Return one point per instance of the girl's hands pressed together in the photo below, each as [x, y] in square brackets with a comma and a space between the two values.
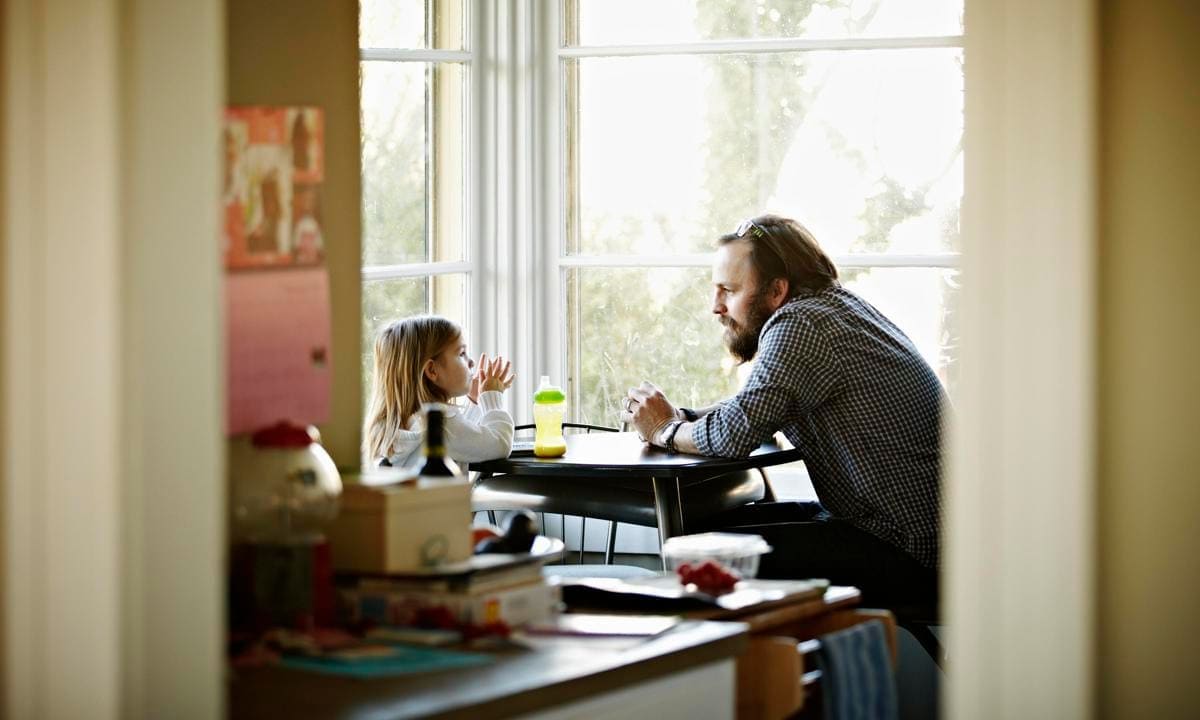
[494, 374]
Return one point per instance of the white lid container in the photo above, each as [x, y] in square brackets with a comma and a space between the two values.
[736, 551]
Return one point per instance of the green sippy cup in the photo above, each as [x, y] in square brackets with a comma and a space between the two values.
[549, 405]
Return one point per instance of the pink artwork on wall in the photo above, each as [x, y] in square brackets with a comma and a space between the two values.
[277, 346]
[271, 189]
[277, 316]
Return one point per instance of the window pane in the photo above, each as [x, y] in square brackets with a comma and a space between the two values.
[399, 139]
[393, 162]
[403, 24]
[391, 23]
[864, 147]
[922, 302]
[630, 325]
[449, 299]
[618, 22]
[387, 300]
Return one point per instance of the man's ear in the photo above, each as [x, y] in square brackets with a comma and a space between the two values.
[779, 292]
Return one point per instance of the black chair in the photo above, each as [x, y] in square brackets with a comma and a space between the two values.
[919, 621]
[614, 500]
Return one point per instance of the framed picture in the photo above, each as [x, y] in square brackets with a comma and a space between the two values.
[274, 167]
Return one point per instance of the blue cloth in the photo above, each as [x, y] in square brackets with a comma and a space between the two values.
[856, 674]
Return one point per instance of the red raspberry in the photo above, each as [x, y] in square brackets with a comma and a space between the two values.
[710, 576]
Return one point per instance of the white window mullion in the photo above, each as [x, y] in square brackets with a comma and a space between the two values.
[508, 299]
[551, 328]
[768, 45]
[411, 270]
[855, 260]
[485, 229]
[884, 260]
[508, 325]
[516, 306]
[527, 258]
[431, 56]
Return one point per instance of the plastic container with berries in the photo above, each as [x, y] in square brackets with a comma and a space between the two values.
[736, 552]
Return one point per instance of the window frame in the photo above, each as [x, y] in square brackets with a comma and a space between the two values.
[556, 183]
[516, 184]
[433, 268]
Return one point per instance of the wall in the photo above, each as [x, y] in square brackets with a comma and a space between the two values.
[3, 351]
[61, 279]
[172, 505]
[305, 52]
[110, 460]
[1019, 490]
[1149, 392]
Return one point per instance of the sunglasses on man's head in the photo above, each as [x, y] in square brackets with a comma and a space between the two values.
[750, 226]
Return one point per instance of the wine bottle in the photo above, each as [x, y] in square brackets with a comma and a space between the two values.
[437, 464]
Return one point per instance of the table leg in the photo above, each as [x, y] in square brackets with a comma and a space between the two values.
[668, 506]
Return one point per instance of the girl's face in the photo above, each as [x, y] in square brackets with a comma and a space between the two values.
[450, 370]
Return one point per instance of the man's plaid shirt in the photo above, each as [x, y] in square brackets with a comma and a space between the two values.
[849, 390]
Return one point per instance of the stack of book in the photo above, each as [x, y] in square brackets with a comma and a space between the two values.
[483, 591]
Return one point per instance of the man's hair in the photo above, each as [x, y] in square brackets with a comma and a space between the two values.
[781, 248]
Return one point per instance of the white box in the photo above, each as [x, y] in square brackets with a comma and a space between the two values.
[401, 527]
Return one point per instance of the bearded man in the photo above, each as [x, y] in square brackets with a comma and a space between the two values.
[848, 389]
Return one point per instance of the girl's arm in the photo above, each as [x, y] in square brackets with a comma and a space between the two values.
[471, 411]
[478, 433]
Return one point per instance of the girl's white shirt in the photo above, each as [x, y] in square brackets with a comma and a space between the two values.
[474, 433]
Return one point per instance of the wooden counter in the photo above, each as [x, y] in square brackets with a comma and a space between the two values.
[520, 682]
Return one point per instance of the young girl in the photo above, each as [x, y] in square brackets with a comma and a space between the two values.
[423, 359]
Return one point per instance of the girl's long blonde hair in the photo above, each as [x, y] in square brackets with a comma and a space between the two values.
[399, 386]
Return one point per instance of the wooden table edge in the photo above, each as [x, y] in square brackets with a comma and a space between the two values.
[642, 663]
[729, 647]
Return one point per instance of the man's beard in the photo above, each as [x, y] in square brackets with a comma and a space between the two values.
[742, 340]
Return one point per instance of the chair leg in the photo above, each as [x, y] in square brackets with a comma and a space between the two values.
[611, 544]
[768, 490]
[923, 634]
[582, 537]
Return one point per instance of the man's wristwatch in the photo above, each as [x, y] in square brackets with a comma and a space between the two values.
[669, 435]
